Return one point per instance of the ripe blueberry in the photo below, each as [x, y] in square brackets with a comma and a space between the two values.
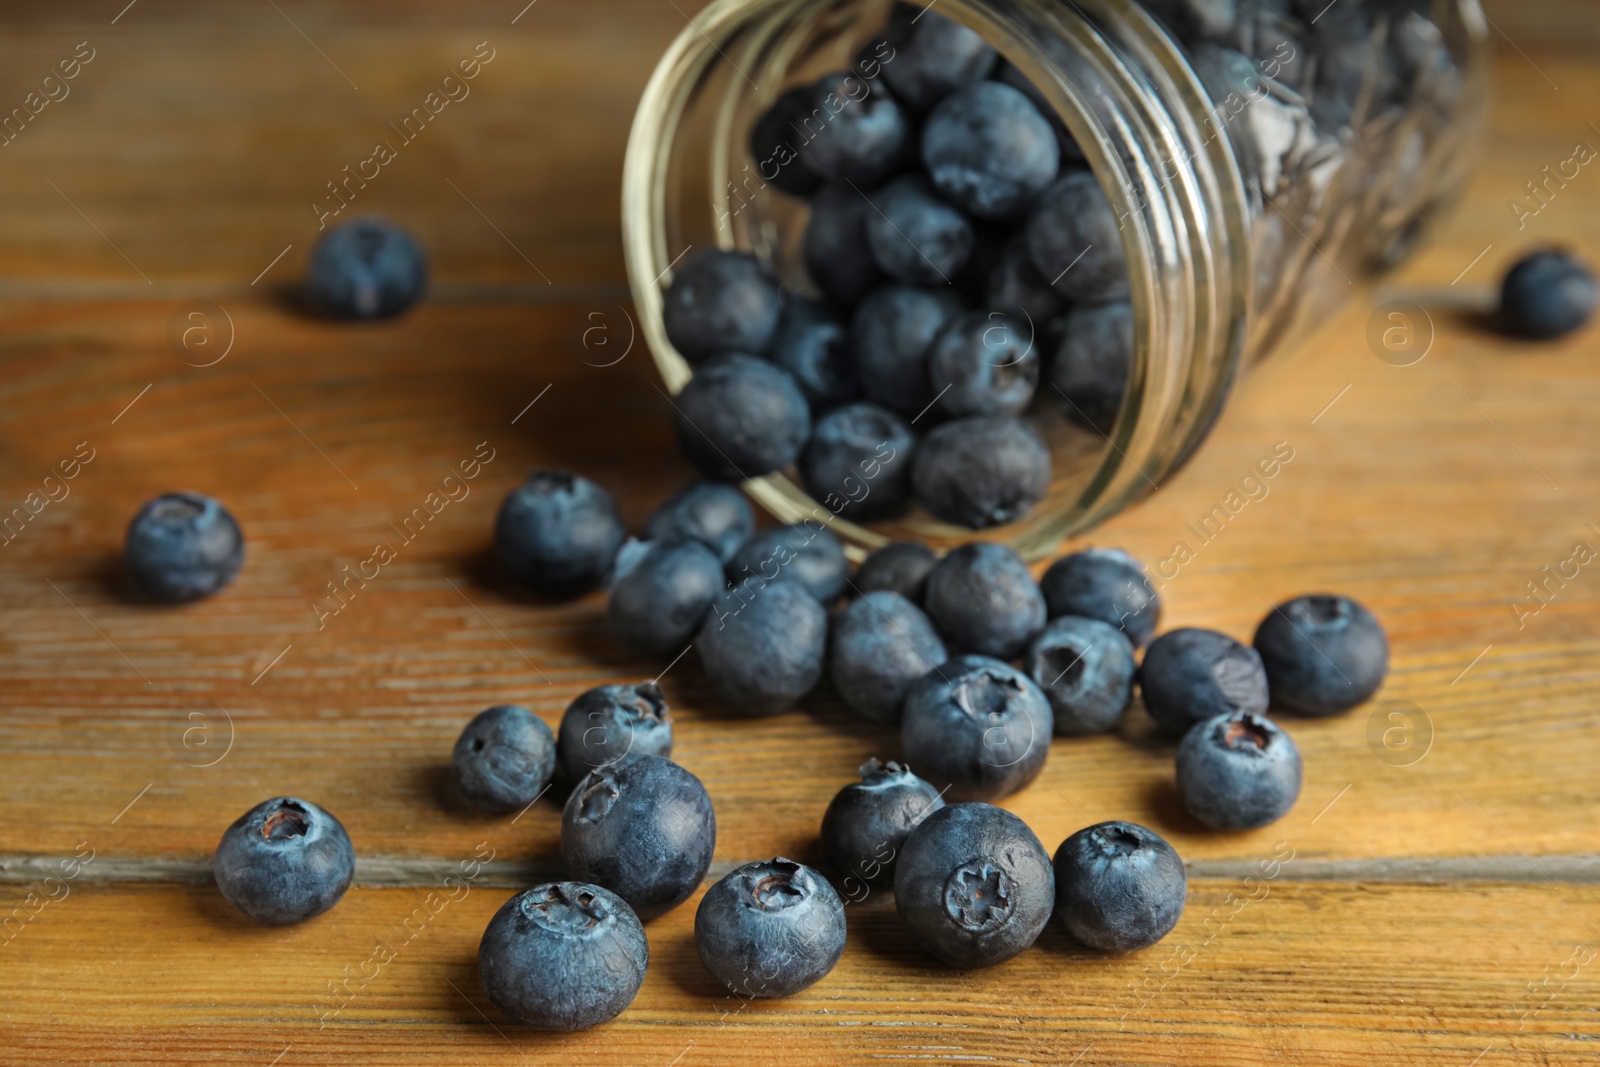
[661, 594]
[1192, 674]
[1323, 654]
[720, 302]
[867, 823]
[1086, 668]
[504, 758]
[899, 567]
[1105, 584]
[366, 269]
[182, 546]
[284, 861]
[983, 599]
[1119, 886]
[558, 533]
[1016, 287]
[859, 462]
[809, 554]
[989, 150]
[812, 346]
[1238, 771]
[914, 235]
[774, 140]
[1090, 371]
[977, 726]
[770, 929]
[981, 471]
[933, 56]
[1074, 239]
[890, 335]
[741, 417]
[762, 645]
[835, 245]
[879, 646]
[984, 363]
[609, 722]
[714, 513]
[1547, 294]
[858, 133]
[1069, 150]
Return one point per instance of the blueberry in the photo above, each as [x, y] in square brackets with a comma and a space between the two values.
[1191, 674]
[609, 722]
[774, 141]
[762, 645]
[1238, 771]
[1547, 294]
[366, 269]
[984, 363]
[1067, 147]
[867, 823]
[661, 594]
[714, 513]
[741, 417]
[856, 134]
[720, 302]
[890, 335]
[983, 599]
[807, 553]
[1090, 371]
[642, 827]
[859, 462]
[182, 546]
[933, 56]
[813, 346]
[974, 885]
[1105, 584]
[1323, 654]
[914, 235]
[284, 861]
[980, 471]
[1016, 287]
[1119, 886]
[835, 245]
[879, 646]
[563, 956]
[1086, 668]
[558, 533]
[504, 758]
[899, 567]
[989, 150]
[770, 929]
[1075, 242]
[977, 726]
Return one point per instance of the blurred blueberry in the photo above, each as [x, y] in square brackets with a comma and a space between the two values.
[1075, 242]
[714, 513]
[807, 553]
[774, 141]
[1547, 294]
[890, 335]
[811, 344]
[558, 534]
[854, 134]
[858, 463]
[989, 150]
[762, 645]
[1090, 371]
[879, 645]
[504, 758]
[1066, 146]
[366, 269]
[984, 363]
[1105, 584]
[741, 417]
[835, 245]
[933, 56]
[720, 302]
[611, 721]
[914, 235]
[661, 594]
[981, 471]
[182, 546]
[983, 599]
[1016, 287]
[899, 567]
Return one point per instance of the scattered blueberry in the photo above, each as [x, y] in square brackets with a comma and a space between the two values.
[984, 363]
[989, 150]
[558, 534]
[1075, 241]
[741, 417]
[858, 463]
[1323, 654]
[899, 567]
[933, 56]
[974, 885]
[890, 334]
[867, 823]
[983, 599]
[977, 726]
[1086, 668]
[807, 553]
[714, 513]
[609, 722]
[774, 140]
[914, 235]
[1119, 886]
[563, 956]
[1547, 294]
[1191, 674]
[835, 245]
[1090, 371]
[504, 758]
[661, 594]
[366, 269]
[720, 302]
[879, 646]
[762, 645]
[1238, 771]
[182, 546]
[1105, 584]
[284, 861]
[813, 346]
[770, 929]
[642, 827]
[861, 134]
[981, 471]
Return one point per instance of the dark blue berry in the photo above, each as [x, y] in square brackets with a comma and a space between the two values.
[714, 513]
[612, 721]
[762, 645]
[284, 861]
[1016, 287]
[1323, 654]
[983, 599]
[1119, 886]
[741, 417]
[1075, 242]
[720, 302]
[807, 553]
[867, 823]
[835, 245]
[1105, 584]
[899, 567]
[1238, 771]
[1547, 294]
[1090, 371]
[558, 534]
[858, 463]
[933, 56]
[1086, 668]
[880, 645]
[890, 335]
[984, 363]
[976, 726]
[981, 471]
[1192, 674]
[642, 827]
[770, 929]
[366, 269]
[563, 956]
[812, 345]
[856, 133]
[775, 141]
[974, 885]
[661, 594]
[1068, 148]
[182, 546]
[504, 758]
[914, 235]
[989, 150]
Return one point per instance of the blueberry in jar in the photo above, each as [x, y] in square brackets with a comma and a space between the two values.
[608, 722]
[1090, 371]
[807, 553]
[858, 134]
[1119, 886]
[1192, 674]
[661, 594]
[867, 823]
[858, 463]
[366, 268]
[720, 302]
[989, 150]
[1322, 654]
[181, 547]
[714, 513]
[770, 929]
[981, 471]
[983, 599]
[558, 534]
[1086, 669]
[774, 140]
[762, 645]
[890, 334]
[879, 646]
[1016, 287]
[933, 56]
[1238, 771]
[504, 758]
[835, 245]
[741, 417]
[813, 346]
[914, 235]
[977, 727]
[898, 567]
[984, 363]
[1075, 241]
[284, 861]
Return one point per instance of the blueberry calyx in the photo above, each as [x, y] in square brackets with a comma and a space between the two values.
[599, 795]
[564, 911]
[1247, 733]
[1117, 839]
[288, 822]
[777, 888]
[984, 695]
[978, 896]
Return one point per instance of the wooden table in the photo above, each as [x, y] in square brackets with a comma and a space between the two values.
[1437, 893]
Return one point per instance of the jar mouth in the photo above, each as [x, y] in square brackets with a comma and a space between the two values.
[1124, 92]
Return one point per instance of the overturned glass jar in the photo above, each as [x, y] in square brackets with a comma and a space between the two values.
[1253, 162]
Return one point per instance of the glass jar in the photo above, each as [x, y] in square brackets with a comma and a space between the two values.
[1261, 167]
